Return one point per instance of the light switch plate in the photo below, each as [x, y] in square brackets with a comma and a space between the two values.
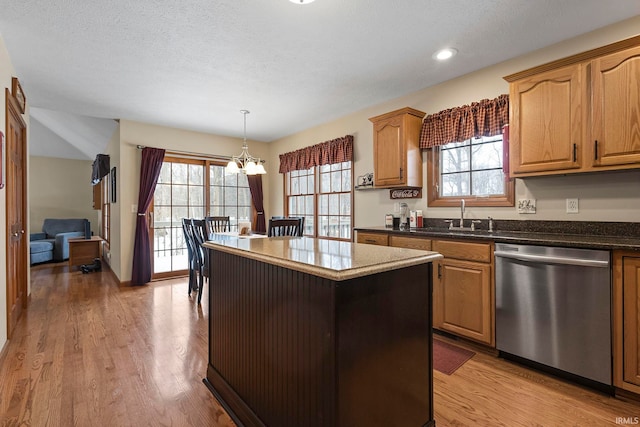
[527, 206]
[572, 206]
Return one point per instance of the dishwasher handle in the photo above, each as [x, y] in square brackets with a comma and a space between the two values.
[547, 259]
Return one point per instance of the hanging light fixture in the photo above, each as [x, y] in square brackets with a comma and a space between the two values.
[245, 162]
[301, 1]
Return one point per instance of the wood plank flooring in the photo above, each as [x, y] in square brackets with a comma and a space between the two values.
[90, 353]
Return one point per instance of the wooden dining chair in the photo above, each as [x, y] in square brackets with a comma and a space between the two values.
[192, 260]
[217, 224]
[199, 231]
[285, 227]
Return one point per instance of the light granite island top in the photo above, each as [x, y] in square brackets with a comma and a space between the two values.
[330, 259]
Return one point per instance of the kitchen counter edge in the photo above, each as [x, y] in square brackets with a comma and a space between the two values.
[528, 238]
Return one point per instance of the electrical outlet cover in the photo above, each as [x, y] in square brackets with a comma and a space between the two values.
[527, 206]
[572, 206]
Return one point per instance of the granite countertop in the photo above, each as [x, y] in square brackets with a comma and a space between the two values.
[331, 259]
[577, 235]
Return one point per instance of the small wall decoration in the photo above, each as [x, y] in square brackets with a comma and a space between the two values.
[365, 181]
[1, 160]
[18, 94]
[112, 175]
[406, 193]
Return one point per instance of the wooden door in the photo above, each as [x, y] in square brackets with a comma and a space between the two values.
[464, 299]
[615, 121]
[547, 122]
[16, 186]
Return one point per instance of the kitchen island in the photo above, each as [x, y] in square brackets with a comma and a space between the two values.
[310, 332]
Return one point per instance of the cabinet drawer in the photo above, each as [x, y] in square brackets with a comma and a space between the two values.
[410, 242]
[373, 238]
[480, 252]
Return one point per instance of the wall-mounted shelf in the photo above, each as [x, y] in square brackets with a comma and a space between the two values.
[366, 187]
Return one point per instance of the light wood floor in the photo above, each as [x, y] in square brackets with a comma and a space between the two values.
[90, 353]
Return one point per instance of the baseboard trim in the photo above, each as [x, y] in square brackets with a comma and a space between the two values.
[4, 352]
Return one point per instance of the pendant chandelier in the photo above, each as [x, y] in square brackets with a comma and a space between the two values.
[245, 162]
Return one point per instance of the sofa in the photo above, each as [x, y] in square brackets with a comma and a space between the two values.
[52, 244]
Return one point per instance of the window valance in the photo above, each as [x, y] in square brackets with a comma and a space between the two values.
[484, 118]
[335, 151]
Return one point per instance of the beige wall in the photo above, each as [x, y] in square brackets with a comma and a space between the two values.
[603, 196]
[60, 188]
[113, 150]
[128, 162]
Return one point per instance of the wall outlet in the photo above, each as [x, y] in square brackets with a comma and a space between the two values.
[572, 206]
[527, 206]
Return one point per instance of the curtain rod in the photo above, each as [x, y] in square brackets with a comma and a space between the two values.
[191, 154]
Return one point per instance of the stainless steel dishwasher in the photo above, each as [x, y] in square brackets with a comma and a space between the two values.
[553, 307]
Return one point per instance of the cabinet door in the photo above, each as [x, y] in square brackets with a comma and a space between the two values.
[389, 152]
[372, 238]
[615, 121]
[410, 242]
[630, 322]
[462, 299]
[547, 122]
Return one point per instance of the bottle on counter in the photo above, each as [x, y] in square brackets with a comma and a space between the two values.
[420, 219]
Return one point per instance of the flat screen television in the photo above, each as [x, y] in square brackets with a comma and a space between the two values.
[100, 168]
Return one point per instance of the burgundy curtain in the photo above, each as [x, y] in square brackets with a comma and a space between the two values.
[484, 118]
[335, 151]
[149, 171]
[255, 186]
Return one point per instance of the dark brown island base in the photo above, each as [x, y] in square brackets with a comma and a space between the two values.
[308, 332]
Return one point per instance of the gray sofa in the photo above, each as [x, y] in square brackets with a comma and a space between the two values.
[53, 243]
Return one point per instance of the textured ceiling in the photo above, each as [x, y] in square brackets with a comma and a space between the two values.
[193, 64]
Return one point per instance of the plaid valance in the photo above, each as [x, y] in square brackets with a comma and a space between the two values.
[484, 118]
[335, 151]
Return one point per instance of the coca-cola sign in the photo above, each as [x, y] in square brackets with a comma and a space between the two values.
[406, 193]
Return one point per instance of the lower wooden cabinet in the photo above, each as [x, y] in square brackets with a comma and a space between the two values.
[463, 290]
[410, 242]
[372, 238]
[626, 322]
[463, 283]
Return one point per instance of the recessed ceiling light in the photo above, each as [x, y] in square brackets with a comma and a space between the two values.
[444, 54]
[301, 1]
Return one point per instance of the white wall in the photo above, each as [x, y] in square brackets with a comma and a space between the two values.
[128, 163]
[603, 196]
[60, 188]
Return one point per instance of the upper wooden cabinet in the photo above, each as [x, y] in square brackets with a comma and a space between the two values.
[397, 158]
[615, 120]
[545, 126]
[578, 114]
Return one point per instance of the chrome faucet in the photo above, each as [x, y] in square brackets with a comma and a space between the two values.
[461, 213]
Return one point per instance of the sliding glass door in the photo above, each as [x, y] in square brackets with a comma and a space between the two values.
[186, 190]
